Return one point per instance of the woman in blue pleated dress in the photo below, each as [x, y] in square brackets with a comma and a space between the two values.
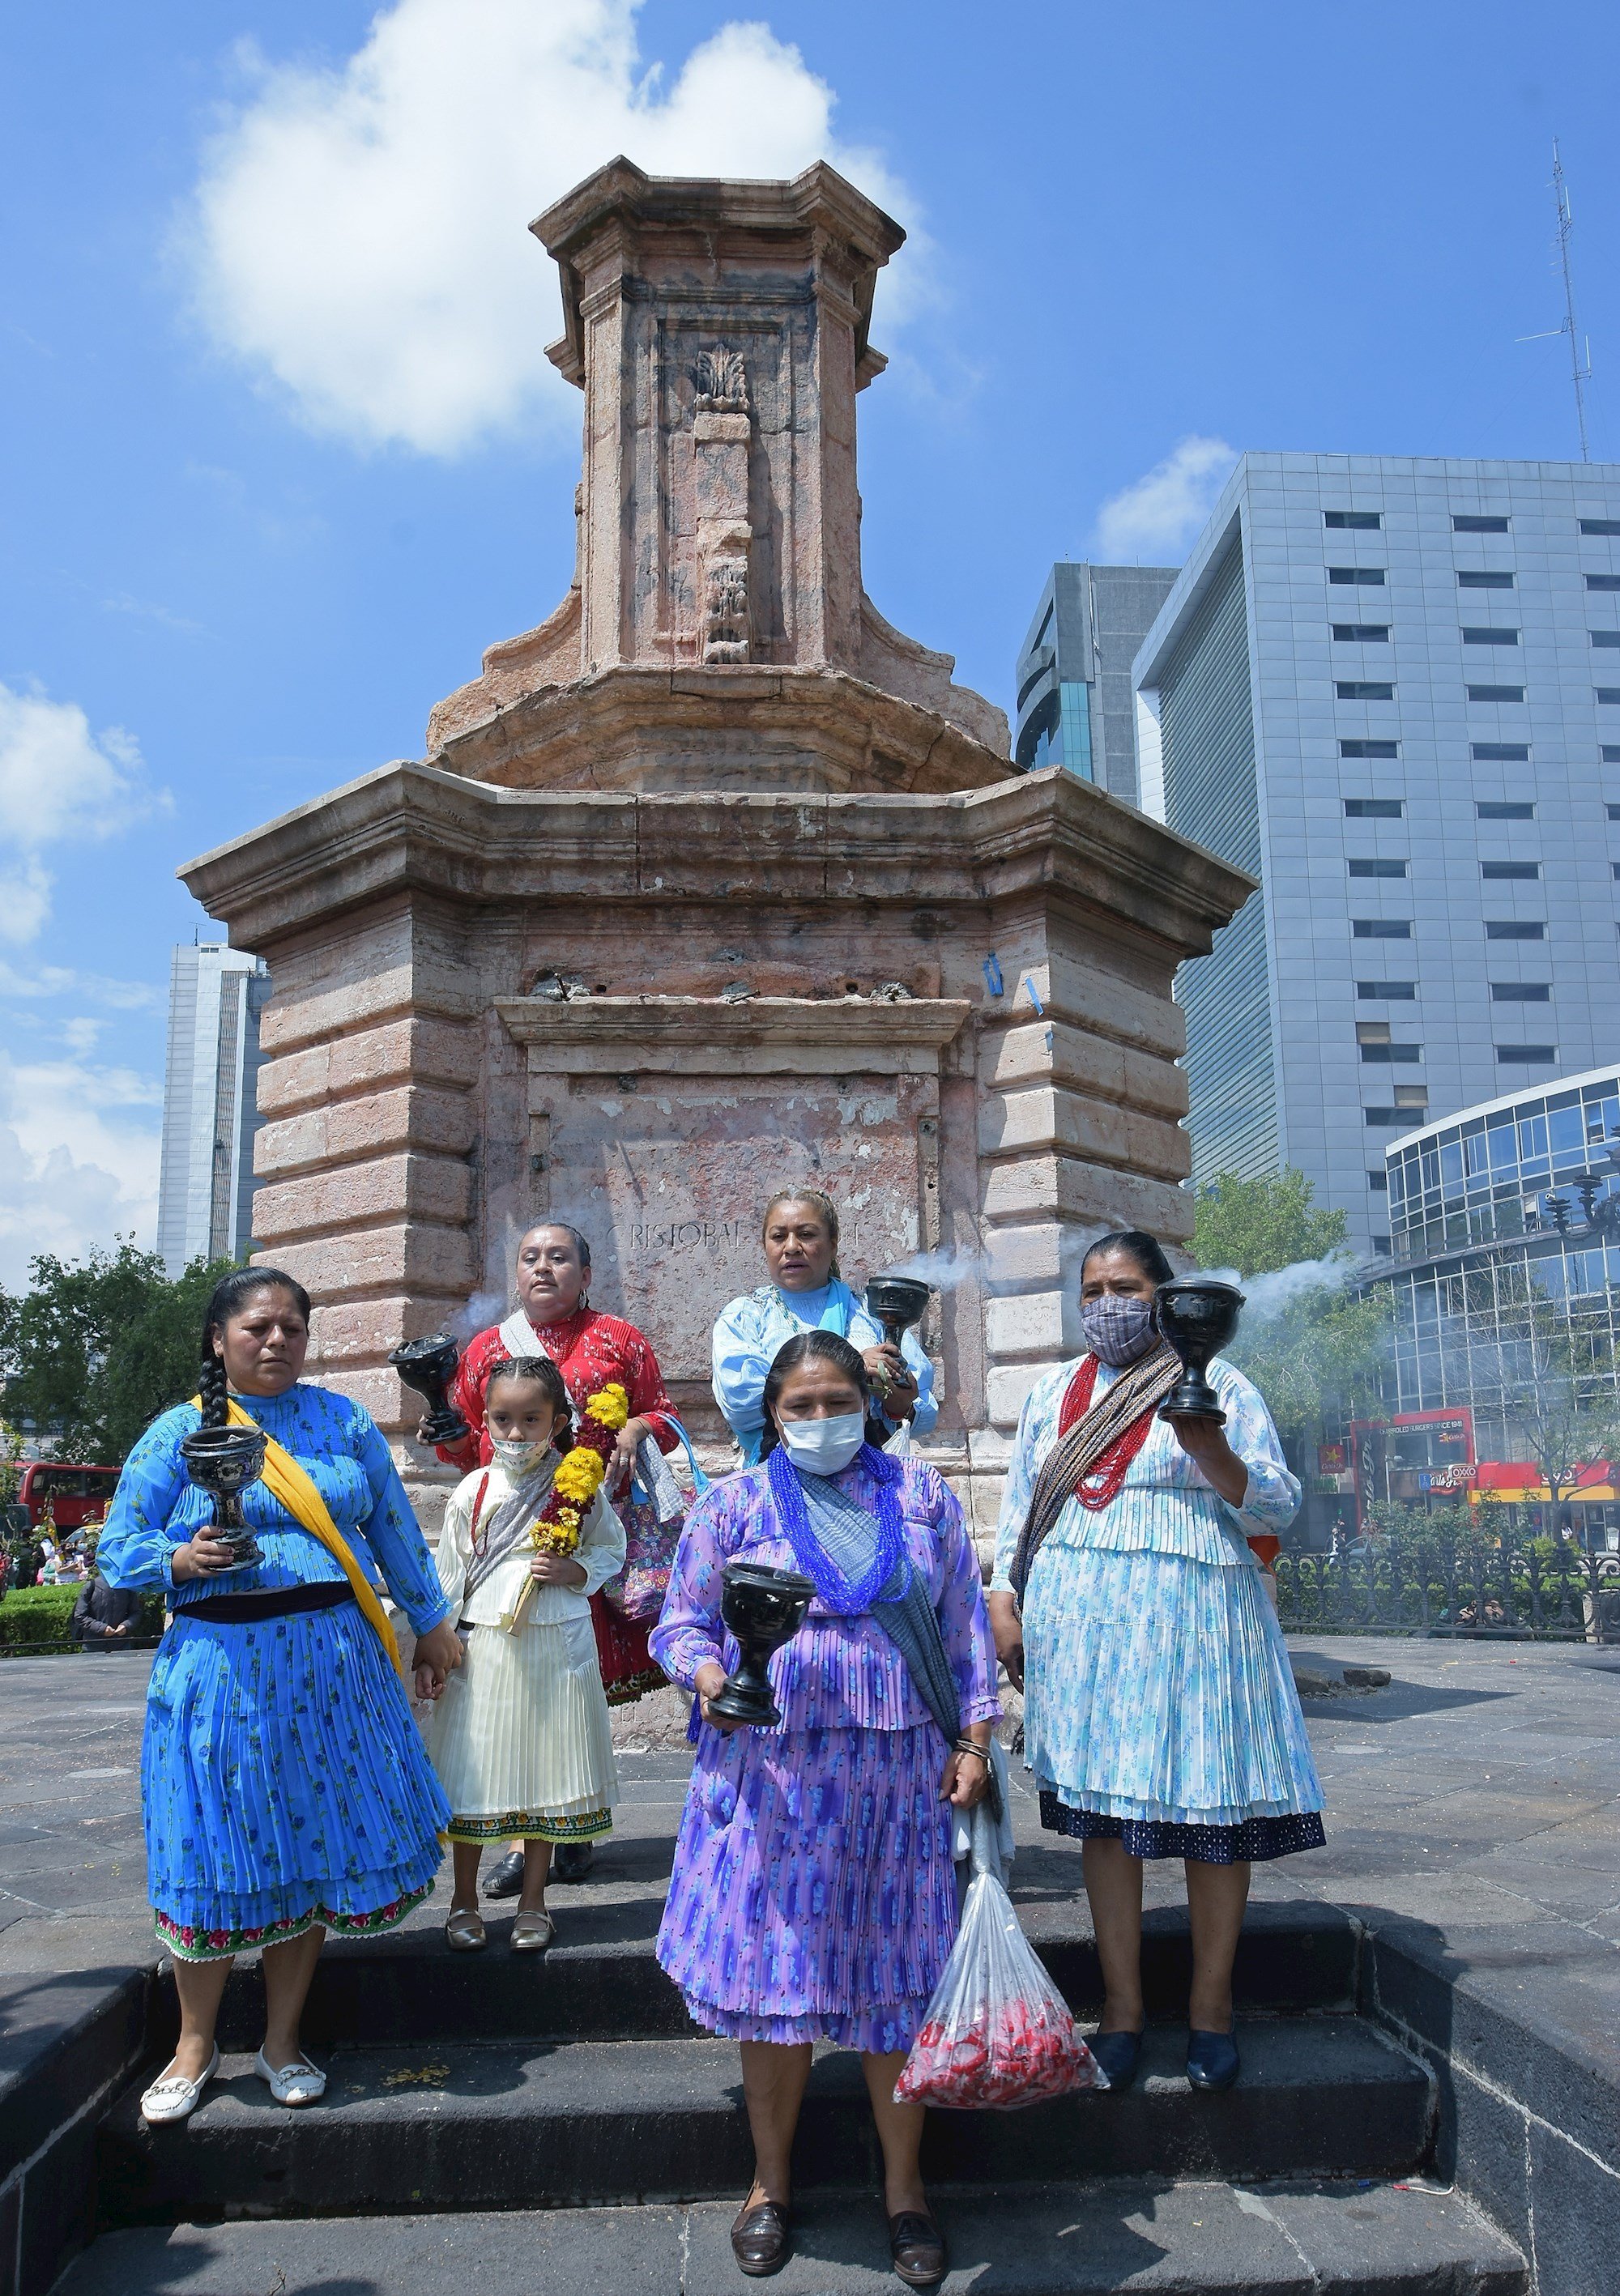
[1161, 1718]
[287, 1790]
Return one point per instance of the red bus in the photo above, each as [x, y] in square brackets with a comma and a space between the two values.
[75, 1493]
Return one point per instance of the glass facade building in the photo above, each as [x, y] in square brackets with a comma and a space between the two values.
[1076, 705]
[1521, 1192]
[210, 1112]
[1379, 685]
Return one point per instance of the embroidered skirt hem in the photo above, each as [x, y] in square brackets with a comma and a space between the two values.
[189, 1941]
[628, 1670]
[284, 1778]
[555, 1826]
[1158, 1690]
[813, 1894]
[522, 1728]
[1255, 1841]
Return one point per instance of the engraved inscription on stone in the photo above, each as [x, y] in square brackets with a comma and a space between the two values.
[670, 1186]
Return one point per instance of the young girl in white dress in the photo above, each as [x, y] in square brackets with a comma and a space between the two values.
[520, 1733]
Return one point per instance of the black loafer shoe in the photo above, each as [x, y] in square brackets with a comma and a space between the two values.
[918, 2247]
[759, 2239]
[572, 1861]
[1211, 2059]
[506, 1879]
[1117, 2054]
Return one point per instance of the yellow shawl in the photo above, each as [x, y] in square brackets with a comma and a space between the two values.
[286, 1481]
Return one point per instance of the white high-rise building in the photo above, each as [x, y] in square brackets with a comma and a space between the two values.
[210, 1115]
[1390, 688]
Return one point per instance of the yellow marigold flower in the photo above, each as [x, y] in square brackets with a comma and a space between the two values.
[579, 1475]
[610, 1407]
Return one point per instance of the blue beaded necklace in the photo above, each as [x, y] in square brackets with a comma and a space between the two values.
[844, 1595]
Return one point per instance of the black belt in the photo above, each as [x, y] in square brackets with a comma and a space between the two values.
[273, 1603]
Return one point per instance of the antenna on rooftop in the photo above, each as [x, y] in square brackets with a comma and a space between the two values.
[1579, 353]
[1580, 369]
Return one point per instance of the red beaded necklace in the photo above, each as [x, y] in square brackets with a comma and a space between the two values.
[1097, 1489]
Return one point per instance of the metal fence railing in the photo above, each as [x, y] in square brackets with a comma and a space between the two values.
[1456, 1574]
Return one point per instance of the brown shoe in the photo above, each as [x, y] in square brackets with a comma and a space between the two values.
[759, 2239]
[918, 2249]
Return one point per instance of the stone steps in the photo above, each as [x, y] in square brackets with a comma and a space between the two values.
[600, 1980]
[455, 2126]
[1176, 2238]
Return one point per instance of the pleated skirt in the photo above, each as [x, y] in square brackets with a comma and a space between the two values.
[284, 1784]
[813, 1896]
[520, 1739]
[1158, 1688]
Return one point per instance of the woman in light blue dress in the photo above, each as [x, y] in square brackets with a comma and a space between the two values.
[806, 1293]
[285, 1787]
[1161, 1718]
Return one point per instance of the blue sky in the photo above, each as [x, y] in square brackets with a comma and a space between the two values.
[280, 455]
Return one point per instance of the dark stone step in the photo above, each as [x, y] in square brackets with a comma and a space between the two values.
[600, 1981]
[1180, 2239]
[544, 2125]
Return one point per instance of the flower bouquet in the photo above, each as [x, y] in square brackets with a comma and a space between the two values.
[578, 1477]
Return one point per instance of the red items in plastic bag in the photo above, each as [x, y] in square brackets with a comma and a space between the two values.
[998, 2032]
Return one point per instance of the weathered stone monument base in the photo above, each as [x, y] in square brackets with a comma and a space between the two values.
[715, 882]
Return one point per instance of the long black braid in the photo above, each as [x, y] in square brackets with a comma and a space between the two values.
[228, 1295]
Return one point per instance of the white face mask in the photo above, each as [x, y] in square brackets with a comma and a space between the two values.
[822, 1447]
[517, 1454]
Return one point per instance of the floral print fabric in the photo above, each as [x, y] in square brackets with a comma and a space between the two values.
[813, 1895]
[283, 1781]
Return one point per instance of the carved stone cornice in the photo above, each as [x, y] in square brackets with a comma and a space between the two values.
[696, 1035]
[756, 726]
[410, 830]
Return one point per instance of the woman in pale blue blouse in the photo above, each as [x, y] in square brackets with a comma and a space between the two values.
[806, 1293]
[1161, 1718]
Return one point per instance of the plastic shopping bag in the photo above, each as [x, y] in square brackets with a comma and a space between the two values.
[998, 2032]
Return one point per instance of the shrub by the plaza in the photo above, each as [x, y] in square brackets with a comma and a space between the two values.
[38, 1619]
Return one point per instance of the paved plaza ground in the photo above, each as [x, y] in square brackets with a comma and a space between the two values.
[1480, 1792]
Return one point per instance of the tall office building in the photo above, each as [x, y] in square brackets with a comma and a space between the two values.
[1390, 688]
[205, 1193]
[1076, 705]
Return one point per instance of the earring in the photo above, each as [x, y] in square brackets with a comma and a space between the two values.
[584, 1303]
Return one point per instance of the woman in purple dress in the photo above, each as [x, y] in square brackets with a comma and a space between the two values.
[813, 1896]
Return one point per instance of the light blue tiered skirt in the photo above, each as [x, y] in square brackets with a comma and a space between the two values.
[284, 1783]
[1158, 1691]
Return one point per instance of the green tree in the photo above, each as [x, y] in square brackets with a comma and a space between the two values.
[1258, 1226]
[1318, 1353]
[96, 1348]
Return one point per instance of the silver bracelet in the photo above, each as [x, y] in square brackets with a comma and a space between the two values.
[967, 1746]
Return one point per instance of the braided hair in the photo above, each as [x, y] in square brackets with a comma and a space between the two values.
[540, 1372]
[227, 1295]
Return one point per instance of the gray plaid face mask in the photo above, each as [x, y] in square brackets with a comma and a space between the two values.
[1118, 1331]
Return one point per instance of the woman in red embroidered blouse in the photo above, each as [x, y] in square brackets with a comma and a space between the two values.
[555, 1318]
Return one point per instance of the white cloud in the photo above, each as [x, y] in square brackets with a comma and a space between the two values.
[1156, 517]
[42, 981]
[78, 1160]
[359, 234]
[58, 782]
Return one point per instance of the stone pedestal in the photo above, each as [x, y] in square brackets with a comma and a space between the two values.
[714, 882]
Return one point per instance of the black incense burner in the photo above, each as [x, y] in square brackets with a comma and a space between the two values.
[1198, 1316]
[896, 1302]
[223, 1461]
[428, 1366]
[764, 1608]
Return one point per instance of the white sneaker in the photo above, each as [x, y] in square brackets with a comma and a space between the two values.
[172, 2098]
[300, 2083]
